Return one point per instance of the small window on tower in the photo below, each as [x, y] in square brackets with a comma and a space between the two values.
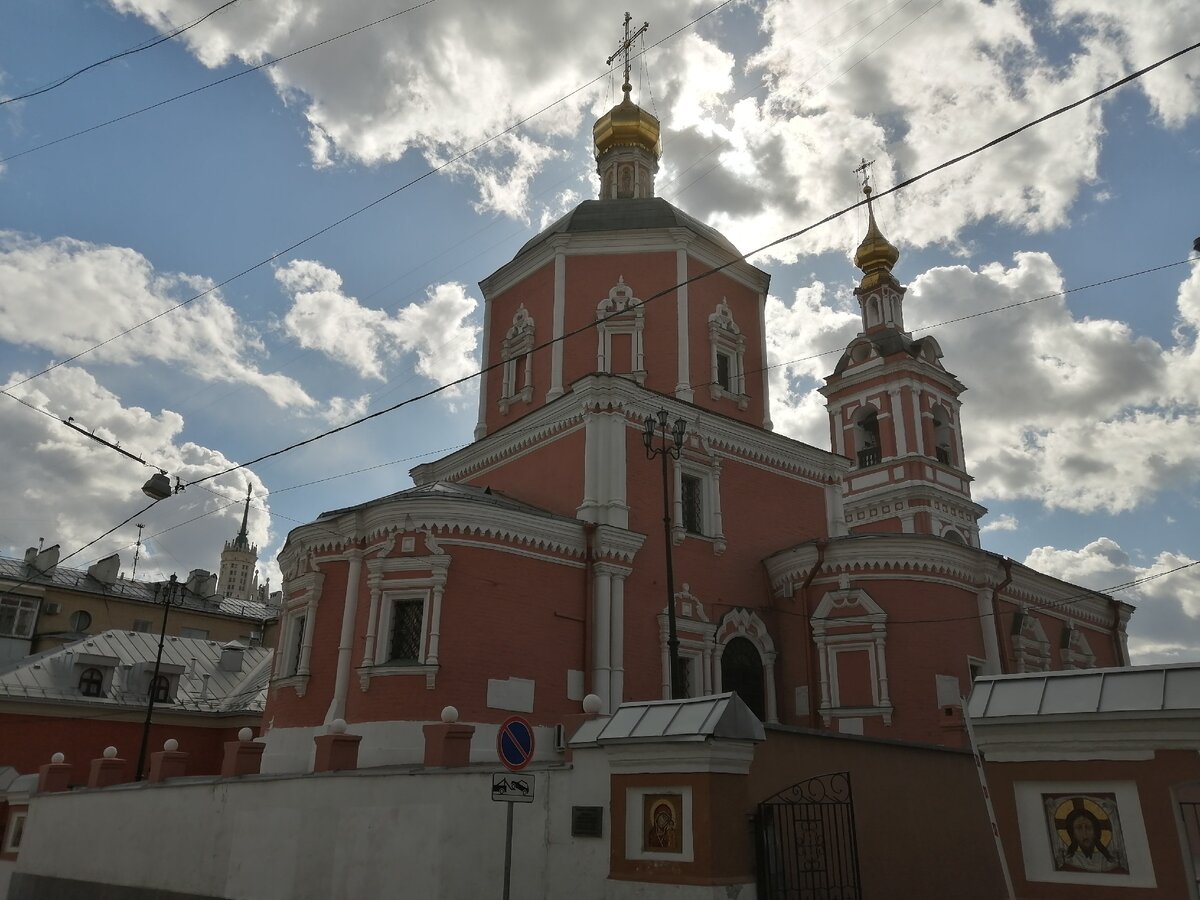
[691, 489]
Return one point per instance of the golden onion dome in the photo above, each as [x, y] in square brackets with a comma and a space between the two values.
[627, 125]
[876, 254]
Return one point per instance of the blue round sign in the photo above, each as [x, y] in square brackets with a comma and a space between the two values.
[514, 743]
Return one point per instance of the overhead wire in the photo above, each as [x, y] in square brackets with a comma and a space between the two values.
[357, 212]
[136, 49]
[713, 270]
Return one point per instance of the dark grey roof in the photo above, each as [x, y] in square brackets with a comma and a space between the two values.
[888, 342]
[628, 215]
[128, 589]
[449, 490]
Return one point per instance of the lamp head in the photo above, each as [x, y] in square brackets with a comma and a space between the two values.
[648, 431]
[678, 430]
[158, 487]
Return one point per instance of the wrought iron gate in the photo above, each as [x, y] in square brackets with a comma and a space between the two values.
[806, 842]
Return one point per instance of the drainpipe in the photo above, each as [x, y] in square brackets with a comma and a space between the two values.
[1007, 564]
[809, 641]
[589, 559]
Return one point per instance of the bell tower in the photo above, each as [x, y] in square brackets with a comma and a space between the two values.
[894, 411]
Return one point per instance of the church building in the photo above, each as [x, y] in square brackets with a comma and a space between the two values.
[624, 375]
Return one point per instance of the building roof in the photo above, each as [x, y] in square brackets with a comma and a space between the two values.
[1162, 690]
[128, 589]
[720, 716]
[449, 490]
[628, 215]
[204, 686]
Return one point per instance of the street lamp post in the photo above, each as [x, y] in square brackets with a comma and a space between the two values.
[671, 446]
[169, 594]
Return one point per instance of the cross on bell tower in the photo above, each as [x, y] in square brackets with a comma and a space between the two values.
[624, 48]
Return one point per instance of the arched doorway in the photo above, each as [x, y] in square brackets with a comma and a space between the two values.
[742, 672]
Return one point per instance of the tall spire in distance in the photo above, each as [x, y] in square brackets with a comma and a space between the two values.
[242, 541]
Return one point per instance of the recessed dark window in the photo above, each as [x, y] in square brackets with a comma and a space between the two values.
[691, 489]
[723, 369]
[406, 630]
[160, 689]
[587, 821]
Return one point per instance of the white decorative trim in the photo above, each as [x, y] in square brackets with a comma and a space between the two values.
[864, 630]
[517, 352]
[725, 339]
[742, 623]
[620, 313]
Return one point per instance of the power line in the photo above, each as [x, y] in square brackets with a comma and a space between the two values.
[138, 49]
[378, 200]
[211, 84]
[701, 275]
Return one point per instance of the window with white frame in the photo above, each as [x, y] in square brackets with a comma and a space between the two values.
[15, 831]
[402, 625]
[619, 347]
[295, 645]
[727, 356]
[698, 501]
[516, 379]
[696, 645]
[850, 633]
[17, 616]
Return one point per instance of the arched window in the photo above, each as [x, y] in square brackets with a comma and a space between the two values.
[160, 689]
[91, 682]
[727, 349]
[953, 536]
[516, 350]
[866, 433]
[943, 442]
[619, 346]
[742, 673]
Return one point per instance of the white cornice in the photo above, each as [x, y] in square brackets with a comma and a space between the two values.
[448, 515]
[915, 369]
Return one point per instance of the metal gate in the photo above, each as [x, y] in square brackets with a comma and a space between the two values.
[805, 842]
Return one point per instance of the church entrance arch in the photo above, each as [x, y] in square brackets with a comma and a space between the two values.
[742, 673]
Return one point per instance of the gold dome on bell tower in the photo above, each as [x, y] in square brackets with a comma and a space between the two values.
[876, 255]
[628, 139]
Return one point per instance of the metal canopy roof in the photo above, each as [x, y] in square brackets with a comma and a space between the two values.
[722, 716]
[1165, 689]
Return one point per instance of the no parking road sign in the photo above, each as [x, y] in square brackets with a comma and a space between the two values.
[514, 743]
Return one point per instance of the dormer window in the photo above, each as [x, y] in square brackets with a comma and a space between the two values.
[727, 347]
[91, 682]
[160, 689]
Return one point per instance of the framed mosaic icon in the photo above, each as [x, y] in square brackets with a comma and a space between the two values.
[662, 818]
[1085, 833]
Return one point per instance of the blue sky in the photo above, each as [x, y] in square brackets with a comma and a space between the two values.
[1081, 414]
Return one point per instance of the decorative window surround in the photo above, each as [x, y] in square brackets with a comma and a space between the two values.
[745, 624]
[697, 644]
[517, 352]
[1076, 651]
[848, 620]
[299, 620]
[727, 357]
[708, 472]
[385, 591]
[1030, 646]
[620, 313]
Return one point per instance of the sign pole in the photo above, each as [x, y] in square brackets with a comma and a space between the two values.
[508, 852]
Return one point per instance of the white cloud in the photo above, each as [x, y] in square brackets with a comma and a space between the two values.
[69, 490]
[436, 330]
[1165, 627]
[1003, 522]
[65, 295]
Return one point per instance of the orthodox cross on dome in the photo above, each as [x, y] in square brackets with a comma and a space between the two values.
[865, 170]
[624, 48]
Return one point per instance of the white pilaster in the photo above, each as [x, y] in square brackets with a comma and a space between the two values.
[898, 420]
[683, 383]
[769, 683]
[617, 642]
[560, 307]
[766, 372]
[987, 623]
[373, 581]
[602, 636]
[485, 359]
[337, 707]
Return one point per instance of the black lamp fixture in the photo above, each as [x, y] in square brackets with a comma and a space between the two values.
[671, 445]
[158, 487]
